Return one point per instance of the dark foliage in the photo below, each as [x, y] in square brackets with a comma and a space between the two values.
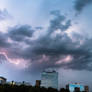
[23, 88]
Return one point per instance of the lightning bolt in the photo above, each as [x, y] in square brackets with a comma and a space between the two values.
[10, 60]
[18, 62]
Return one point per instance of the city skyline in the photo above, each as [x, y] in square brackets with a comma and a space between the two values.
[49, 80]
[40, 34]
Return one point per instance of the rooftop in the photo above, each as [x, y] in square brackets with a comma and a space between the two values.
[2, 78]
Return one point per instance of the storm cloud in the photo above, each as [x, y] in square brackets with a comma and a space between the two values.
[81, 4]
[3, 40]
[19, 33]
[53, 49]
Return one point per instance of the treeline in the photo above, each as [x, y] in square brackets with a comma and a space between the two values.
[23, 88]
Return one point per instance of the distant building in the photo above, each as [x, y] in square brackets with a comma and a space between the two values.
[19, 83]
[77, 87]
[49, 79]
[3, 80]
[86, 89]
[38, 83]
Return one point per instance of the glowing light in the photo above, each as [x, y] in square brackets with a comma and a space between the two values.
[66, 59]
[18, 62]
[9, 40]
[44, 58]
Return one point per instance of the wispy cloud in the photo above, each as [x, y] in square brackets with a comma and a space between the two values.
[4, 14]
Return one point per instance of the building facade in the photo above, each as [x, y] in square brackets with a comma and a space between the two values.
[77, 87]
[86, 89]
[38, 83]
[49, 79]
[3, 80]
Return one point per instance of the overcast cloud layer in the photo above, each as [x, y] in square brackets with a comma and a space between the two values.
[52, 48]
[46, 34]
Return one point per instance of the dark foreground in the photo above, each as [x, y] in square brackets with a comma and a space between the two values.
[23, 88]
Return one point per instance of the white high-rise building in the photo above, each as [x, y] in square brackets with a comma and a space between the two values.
[49, 79]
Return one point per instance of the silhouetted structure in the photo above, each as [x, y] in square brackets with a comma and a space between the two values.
[38, 83]
[25, 88]
[12, 83]
[86, 89]
[64, 90]
[77, 89]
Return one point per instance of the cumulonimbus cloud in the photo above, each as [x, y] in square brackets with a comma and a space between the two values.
[47, 50]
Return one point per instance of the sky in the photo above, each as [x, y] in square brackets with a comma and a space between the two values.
[40, 34]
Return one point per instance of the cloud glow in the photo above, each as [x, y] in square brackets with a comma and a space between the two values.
[65, 59]
[17, 62]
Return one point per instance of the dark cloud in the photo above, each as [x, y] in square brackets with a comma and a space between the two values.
[19, 33]
[53, 49]
[80, 4]
[44, 51]
[3, 40]
[58, 22]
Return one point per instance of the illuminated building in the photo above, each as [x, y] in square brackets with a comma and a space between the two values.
[49, 79]
[77, 87]
[19, 83]
[3, 80]
[12, 83]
